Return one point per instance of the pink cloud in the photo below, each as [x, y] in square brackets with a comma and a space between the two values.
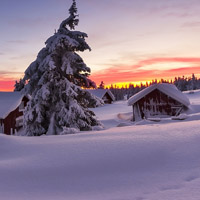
[7, 80]
[134, 73]
[7, 85]
[169, 60]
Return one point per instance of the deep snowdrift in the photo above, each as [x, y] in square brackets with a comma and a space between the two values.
[158, 161]
[141, 162]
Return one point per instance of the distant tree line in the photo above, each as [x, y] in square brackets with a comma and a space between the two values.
[182, 83]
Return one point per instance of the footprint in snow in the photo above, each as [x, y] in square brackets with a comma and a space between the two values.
[191, 177]
[140, 198]
[137, 198]
[170, 187]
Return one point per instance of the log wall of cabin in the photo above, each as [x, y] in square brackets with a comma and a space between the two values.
[158, 103]
[10, 121]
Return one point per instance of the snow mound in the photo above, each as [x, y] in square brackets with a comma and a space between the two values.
[97, 128]
[180, 117]
[67, 130]
[122, 124]
[125, 116]
[151, 162]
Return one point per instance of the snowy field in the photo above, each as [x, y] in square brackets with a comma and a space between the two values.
[147, 161]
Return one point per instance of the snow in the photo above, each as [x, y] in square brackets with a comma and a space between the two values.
[113, 114]
[166, 88]
[125, 161]
[193, 96]
[182, 116]
[9, 101]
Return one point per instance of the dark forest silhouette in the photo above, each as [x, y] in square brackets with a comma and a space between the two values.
[182, 83]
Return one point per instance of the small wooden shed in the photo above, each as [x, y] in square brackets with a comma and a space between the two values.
[104, 94]
[12, 106]
[158, 100]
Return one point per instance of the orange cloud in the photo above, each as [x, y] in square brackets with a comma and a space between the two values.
[137, 72]
[7, 80]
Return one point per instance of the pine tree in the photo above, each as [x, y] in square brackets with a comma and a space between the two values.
[54, 81]
[101, 85]
[19, 85]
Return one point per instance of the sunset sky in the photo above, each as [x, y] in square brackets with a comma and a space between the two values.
[131, 40]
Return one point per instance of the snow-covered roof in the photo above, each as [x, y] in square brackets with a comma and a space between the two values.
[101, 92]
[9, 101]
[168, 89]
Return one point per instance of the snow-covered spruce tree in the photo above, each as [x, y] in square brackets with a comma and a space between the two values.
[54, 80]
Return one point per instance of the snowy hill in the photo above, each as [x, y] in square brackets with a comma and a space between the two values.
[154, 161]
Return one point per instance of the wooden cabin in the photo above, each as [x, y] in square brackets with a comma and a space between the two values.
[104, 94]
[158, 100]
[12, 106]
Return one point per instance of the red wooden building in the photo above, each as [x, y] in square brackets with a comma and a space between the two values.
[12, 105]
[158, 100]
